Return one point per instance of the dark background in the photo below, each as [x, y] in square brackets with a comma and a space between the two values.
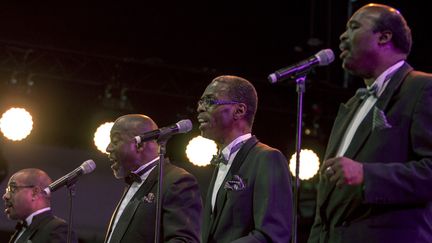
[74, 65]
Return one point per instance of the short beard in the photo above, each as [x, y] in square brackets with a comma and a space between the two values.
[119, 173]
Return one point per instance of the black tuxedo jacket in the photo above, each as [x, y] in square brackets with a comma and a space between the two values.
[261, 210]
[181, 210]
[45, 228]
[394, 143]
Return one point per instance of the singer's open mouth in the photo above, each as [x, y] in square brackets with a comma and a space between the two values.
[344, 48]
[343, 54]
[202, 121]
[8, 206]
[203, 124]
[111, 158]
[114, 165]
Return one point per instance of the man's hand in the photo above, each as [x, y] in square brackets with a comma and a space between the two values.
[343, 171]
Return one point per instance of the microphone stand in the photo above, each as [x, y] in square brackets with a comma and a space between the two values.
[301, 88]
[72, 192]
[162, 150]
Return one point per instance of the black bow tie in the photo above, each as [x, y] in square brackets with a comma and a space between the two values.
[136, 177]
[219, 157]
[20, 225]
[131, 178]
[364, 93]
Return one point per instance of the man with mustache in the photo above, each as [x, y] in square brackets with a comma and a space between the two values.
[26, 201]
[134, 218]
[376, 178]
[249, 198]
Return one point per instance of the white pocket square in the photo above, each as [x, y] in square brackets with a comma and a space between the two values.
[380, 120]
[235, 184]
[149, 198]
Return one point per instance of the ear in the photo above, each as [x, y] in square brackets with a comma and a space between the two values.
[385, 37]
[35, 192]
[240, 111]
[140, 147]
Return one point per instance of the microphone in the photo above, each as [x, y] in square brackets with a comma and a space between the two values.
[182, 126]
[322, 58]
[85, 168]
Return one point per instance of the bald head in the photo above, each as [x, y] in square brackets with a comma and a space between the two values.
[135, 124]
[390, 19]
[24, 194]
[35, 177]
[125, 154]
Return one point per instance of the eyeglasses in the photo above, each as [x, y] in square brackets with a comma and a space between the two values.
[12, 188]
[209, 102]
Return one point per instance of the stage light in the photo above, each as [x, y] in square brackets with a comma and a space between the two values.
[309, 164]
[102, 136]
[16, 124]
[200, 151]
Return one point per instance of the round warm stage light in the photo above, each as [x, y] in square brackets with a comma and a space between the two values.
[200, 151]
[309, 164]
[16, 124]
[102, 136]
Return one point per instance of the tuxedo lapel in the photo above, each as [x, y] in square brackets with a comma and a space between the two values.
[219, 204]
[124, 220]
[221, 196]
[363, 131]
[394, 84]
[241, 155]
[115, 213]
[345, 114]
[343, 119]
[130, 209]
[365, 128]
[14, 236]
[37, 223]
[208, 214]
[148, 184]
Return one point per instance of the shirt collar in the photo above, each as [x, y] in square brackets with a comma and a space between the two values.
[227, 151]
[29, 219]
[142, 167]
[381, 81]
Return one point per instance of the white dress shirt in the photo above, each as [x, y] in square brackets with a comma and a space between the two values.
[131, 192]
[223, 169]
[29, 220]
[381, 83]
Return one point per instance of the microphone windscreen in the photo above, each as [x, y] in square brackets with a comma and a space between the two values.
[88, 166]
[325, 57]
[184, 126]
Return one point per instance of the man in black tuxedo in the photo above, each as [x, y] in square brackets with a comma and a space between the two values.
[249, 198]
[376, 178]
[134, 217]
[26, 201]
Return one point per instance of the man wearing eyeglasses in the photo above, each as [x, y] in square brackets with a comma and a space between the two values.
[249, 197]
[27, 202]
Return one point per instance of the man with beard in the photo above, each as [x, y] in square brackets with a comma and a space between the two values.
[249, 198]
[134, 217]
[376, 178]
[26, 201]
